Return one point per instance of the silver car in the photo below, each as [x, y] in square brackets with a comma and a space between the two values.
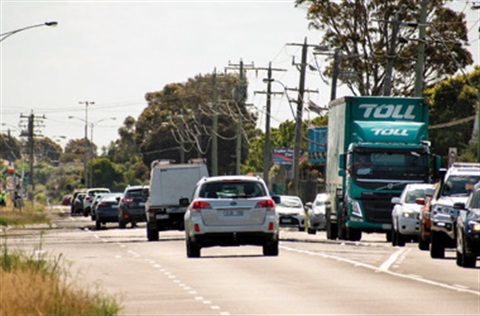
[291, 212]
[406, 213]
[231, 211]
[316, 213]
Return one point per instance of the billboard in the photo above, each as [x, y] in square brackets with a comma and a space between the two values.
[284, 156]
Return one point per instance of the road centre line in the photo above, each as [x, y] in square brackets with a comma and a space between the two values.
[377, 269]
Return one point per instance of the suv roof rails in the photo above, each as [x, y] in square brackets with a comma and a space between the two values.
[466, 165]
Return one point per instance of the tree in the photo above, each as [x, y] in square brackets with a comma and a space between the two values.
[10, 147]
[47, 150]
[179, 119]
[452, 112]
[361, 30]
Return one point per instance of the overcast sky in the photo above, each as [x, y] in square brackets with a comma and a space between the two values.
[114, 52]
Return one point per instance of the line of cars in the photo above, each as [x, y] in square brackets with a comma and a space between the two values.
[103, 206]
[444, 215]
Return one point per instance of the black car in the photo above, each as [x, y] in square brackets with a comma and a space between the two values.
[468, 230]
[132, 205]
[107, 209]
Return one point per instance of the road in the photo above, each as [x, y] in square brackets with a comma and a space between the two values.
[311, 276]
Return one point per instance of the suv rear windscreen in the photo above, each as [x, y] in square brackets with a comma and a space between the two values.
[232, 189]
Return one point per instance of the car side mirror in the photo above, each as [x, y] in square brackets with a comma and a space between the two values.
[184, 202]
[395, 200]
[276, 199]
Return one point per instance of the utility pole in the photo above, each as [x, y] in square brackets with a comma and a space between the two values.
[214, 125]
[85, 144]
[298, 119]
[419, 67]
[333, 92]
[266, 148]
[240, 98]
[387, 83]
[30, 133]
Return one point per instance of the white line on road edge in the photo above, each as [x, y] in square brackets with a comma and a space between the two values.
[377, 269]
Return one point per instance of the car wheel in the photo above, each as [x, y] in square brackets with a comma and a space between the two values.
[312, 231]
[465, 260]
[423, 244]
[122, 224]
[437, 248]
[98, 224]
[152, 234]
[193, 250]
[400, 239]
[394, 237]
[271, 249]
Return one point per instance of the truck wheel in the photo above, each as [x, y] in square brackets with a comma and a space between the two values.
[423, 244]
[332, 231]
[437, 247]
[152, 234]
[270, 248]
[193, 250]
[354, 234]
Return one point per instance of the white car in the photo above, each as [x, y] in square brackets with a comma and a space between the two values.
[231, 211]
[291, 212]
[406, 213]
[316, 213]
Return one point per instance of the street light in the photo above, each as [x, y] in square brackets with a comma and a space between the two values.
[6, 35]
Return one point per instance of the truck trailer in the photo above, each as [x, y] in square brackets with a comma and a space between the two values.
[376, 145]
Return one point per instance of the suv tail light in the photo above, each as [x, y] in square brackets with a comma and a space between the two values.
[269, 204]
[200, 205]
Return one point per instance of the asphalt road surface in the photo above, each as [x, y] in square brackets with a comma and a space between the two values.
[311, 275]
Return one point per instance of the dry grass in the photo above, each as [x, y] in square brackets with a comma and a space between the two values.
[10, 216]
[32, 286]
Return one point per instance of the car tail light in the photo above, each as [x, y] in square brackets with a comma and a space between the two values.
[102, 205]
[196, 227]
[200, 205]
[271, 226]
[266, 204]
[127, 200]
[88, 198]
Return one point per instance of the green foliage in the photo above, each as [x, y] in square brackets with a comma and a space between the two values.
[10, 147]
[107, 174]
[356, 29]
[452, 100]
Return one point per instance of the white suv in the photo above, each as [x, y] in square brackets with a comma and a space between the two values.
[455, 188]
[231, 211]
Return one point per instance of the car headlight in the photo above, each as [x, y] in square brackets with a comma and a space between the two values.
[409, 214]
[474, 226]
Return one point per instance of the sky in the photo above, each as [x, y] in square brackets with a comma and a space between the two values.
[111, 53]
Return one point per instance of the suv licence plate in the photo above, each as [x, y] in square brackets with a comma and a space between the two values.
[233, 213]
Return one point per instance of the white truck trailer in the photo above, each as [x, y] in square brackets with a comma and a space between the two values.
[169, 183]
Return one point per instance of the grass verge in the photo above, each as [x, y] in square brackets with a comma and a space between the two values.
[10, 216]
[35, 286]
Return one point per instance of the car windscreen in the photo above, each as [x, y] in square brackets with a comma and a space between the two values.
[290, 202]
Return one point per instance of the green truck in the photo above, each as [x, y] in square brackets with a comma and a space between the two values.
[376, 145]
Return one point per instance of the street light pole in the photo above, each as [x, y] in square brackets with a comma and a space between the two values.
[85, 171]
[6, 35]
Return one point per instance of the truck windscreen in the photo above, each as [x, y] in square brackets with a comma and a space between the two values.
[389, 165]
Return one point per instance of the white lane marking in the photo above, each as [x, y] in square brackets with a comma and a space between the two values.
[392, 259]
[376, 269]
